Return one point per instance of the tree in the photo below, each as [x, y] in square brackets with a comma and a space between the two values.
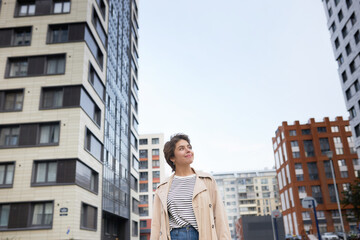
[351, 197]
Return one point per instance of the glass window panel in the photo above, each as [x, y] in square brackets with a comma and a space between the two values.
[38, 213]
[31, 9]
[51, 66]
[41, 172]
[19, 101]
[58, 7]
[9, 101]
[23, 10]
[4, 217]
[44, 134]
[9, 174]
[52, 172]
[66, 7]
[2, 174]
[55, 130]
[48, 213]
[60, 65]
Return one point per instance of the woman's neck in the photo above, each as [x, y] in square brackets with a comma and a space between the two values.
[182, 172]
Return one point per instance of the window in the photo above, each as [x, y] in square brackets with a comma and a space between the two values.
[133, 183]
[344, 31]
[49, 133]
[90, 107]
[305, 131]
[337, 43]
[58, 33]
[96, 82]
[327, 169]
[309, 148]
[357, 37]
[93, 145]
[155, 163]
[42, 214]
[344, 174]
[135, 229]
[336, 2]
[143, 141]
[306, 216]
[330, 12]
[155, 185]
[344, 76]
[98, 27]
[316, 193]
[6, 175]
[143, 224]
[134, 103]
[135, 206]
[334, 129]
[155, 141]
[348, 3]
[18, 67]
[340, 15]
[294, 144]
[156, 174]
[155, 152]
[88, 217]
[144, 199]
[22, 36]
[292, 132]
[26, 9]
[143, 164]
[339, 150]
[36, 65]
[4, 215]
[11, 100]
[135, 123]
[313, 171]
[135, 163]
[321, 129]
[337, 139]
[352, 113]
[144, 176]
[340, 60]
[61, 7]
[324, 145]
[357, 131]
[9, 136]
[353, 19]
[56, 65]
[134, 141]
[143, 153]
[45, 172]
[52, 97]
[144, 187]
[333, 27]
[348, 49]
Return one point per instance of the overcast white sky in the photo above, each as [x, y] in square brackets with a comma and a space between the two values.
[228, 73]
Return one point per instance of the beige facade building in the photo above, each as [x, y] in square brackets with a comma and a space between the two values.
[152, 167]
[253, 193]
[68, 119]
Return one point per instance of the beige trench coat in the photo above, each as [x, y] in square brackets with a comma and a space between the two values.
[208, 208]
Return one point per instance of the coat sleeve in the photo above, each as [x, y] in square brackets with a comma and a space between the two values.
[156, 219]
[220, 217]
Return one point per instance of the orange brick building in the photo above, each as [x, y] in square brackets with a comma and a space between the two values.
[303, 169]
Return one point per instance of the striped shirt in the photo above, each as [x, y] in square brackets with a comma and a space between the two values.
[179, 202]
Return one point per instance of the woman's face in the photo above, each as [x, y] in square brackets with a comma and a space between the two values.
[183, 153]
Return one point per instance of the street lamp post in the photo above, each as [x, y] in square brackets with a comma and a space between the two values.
[329, 154]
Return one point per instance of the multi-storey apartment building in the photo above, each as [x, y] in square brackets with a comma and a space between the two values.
[253, 193]
[68, 119]
[303, 169]
[344, 26]
[152, 166]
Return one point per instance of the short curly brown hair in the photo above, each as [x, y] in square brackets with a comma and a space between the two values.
[169, 147]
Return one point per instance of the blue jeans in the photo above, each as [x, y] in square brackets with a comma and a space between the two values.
[184, 233]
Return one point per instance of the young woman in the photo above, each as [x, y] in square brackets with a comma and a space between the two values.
[187, 206]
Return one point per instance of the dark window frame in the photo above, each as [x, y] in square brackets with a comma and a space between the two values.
[28, 60]
[6, 164]
[84, 217]
[3, 95]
